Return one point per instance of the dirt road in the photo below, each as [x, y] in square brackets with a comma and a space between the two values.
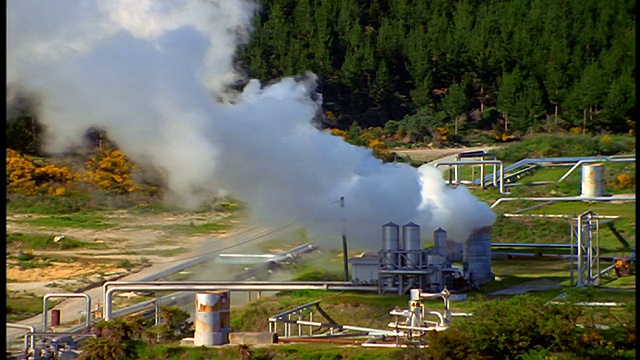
[427, 155]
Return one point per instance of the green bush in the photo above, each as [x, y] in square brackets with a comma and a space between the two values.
[550, 145]
[525, 327]
[125, 264]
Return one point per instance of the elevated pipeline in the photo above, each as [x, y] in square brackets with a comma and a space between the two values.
[230, 286]
[568, 198]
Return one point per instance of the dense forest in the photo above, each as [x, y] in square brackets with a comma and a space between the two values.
[515, 65]
[421, 72]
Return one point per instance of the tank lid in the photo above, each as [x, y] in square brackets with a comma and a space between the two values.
[439, 230]
[411, 224]
[390, 223]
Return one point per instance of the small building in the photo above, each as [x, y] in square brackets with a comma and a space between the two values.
[364, 268]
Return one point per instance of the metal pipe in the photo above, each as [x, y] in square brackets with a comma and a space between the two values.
[440, 317]
[579, 163]
[302, 307]
[564, 216]
[390, 345]
[505, 244]
[29, 340]
[230, 286]
[467, 162]
[569, 198]
[45, 306]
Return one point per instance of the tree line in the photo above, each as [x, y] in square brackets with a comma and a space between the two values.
[517, 65]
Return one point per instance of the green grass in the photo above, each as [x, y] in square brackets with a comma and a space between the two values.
[23, 307]
[42, 241]
[164, 252]
[80, 220]
[281, 352]
[191, 229]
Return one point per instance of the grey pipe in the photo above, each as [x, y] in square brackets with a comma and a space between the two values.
[563, 216]
[64, 295]
[576, 165]
[483, 156]
[569, 198]
[234, 286]
[477, 162]
[28, 344]
[108, 284]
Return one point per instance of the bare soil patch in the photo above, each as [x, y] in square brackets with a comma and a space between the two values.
[430, 154]
[141, 239]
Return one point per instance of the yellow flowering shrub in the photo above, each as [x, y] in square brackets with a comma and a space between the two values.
[110, 170]
[24, 176]
[380, 149]
[20, 172]
[442, 133]
[337, 132]
[624, 181]
[606, 138]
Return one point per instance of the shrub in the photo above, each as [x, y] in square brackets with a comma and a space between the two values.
[624, 181]
[125, 264]
[112, 171]
[175, 324]
[24, 176]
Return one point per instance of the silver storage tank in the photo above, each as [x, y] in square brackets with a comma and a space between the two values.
[592, 180]
[390, 245]
[411, 245]
[439, 240]
[477, 256]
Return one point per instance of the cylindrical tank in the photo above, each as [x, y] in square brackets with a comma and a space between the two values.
[390, 245]
[208, 319]
[411, 245]
[477, 256]
[55, 317]
[439, 240]
[592, 179]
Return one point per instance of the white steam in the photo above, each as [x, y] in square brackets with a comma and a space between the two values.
[154, 75]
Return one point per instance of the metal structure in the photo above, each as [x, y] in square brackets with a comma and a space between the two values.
[45, 306]
[585, 231]
[29, 338]
[476, 257]
[575, 162]
[111, 287]
[401, 268]
[458, 163]
[410, 324]
[212, 318]
[592, 180]
[567, 198]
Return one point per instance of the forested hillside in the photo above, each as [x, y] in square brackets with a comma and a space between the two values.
[514, 65]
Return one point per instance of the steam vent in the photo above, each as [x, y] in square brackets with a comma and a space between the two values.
[403, 263]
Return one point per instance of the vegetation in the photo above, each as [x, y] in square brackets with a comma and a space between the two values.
[508, 66]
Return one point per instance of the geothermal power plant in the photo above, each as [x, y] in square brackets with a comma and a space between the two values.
[402, 263]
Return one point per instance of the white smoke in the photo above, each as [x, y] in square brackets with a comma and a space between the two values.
[155, 74]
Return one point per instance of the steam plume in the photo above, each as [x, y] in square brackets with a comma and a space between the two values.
[155, 75]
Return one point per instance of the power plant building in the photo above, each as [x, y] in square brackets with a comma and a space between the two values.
[403, 264]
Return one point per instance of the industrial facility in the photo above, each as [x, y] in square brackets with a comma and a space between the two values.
[403, 263]
[446, 270]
